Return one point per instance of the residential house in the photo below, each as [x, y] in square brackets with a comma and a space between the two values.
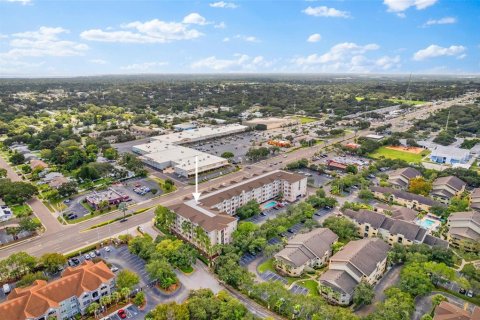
[403, 198]
[57, 182]
[371, 224]
[63, 298]
[448, 311]
[5, 213]
[334, 165]
[37, 164]
[445, 188]
[400, 178]
[475, 199]
[464, 230]
[360, 260]
[311, 249]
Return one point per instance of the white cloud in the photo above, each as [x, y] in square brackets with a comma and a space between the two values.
[98, 61]
[223, 4]
[242, 37]
[144, 67]
[239, 62]
[42, 42]
[445, 20]
[226, 39]
[434, 50]
[220, 25]
[195, 18]
[153, 31]
[323, 11]
[314, 37]
[347, 57]
[23, 2]
[398, 6]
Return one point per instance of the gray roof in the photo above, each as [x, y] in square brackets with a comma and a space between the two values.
[475, 193]
[306, 246]
[407, 196]
[472, 217]
[339, 280]
[435, 242]
[363, 255]
[451, 181]
[409, 230]
[408, 173]
[403, 213]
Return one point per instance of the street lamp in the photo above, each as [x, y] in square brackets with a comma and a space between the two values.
[123, 207]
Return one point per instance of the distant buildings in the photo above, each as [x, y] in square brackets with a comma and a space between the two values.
[163, 152]
[270, 123]
[372, 224]
[108, 197]
[63, 298]
[445, 188]
[400, 178]
[360, 260]
[449, 155]
[311, 249]
[407, 199]
[464, 230]
[214, 211]
[375, 137]
[184, 126]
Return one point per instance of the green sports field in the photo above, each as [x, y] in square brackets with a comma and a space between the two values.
[304, 120]
[396, 154]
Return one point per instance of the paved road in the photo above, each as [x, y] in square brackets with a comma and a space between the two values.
[64, 239]
[388, 280]
[50, 223]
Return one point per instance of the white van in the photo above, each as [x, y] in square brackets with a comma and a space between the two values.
[6, 288]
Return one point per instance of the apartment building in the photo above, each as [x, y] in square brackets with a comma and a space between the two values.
[360, 260]
[218, 227]
[63, 298]
[400, 178]
[475, 199]
[445, 188]
[464, 230]
[311, 249]
[403, 198]
[290, 186]
[215, 210]
[371, 224]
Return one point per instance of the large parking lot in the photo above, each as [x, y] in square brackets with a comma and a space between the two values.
[317, 179]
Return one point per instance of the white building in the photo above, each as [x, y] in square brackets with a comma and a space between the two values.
[5, 213]
[449, 155]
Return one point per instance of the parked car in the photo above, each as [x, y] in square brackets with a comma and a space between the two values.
[263, 214]
[469, 294]
[462, 291]
[92, 255]
[114, 269]
[122, 314]
[6, 288]
[87, 257]
[97, 252]
[107, 249]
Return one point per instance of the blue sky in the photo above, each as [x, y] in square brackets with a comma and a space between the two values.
[70, 38]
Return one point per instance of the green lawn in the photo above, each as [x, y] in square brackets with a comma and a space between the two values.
[311, 285]
[402, 101]
[395, 154]
[187, 270]
[266, 266]
[359, 98]
[304, 120]
[23, 210]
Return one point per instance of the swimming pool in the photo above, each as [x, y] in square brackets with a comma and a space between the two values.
[426, 223]
[269, 205]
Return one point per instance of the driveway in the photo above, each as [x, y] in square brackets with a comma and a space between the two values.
[388, 280]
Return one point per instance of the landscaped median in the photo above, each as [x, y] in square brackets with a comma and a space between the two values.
[118, 219]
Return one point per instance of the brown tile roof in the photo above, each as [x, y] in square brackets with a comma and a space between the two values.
[452, 181]
[448, 311]
[363, 254]
[248, 185]
[408, 173]
[216, 222]
[35, 300]
[306, 246]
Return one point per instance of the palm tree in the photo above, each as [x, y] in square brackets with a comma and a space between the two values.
[125, 292]
[187, 228]
[105, 300]
[116, 296]
[123, 207]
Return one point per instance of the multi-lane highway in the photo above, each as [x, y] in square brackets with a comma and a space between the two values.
[64, 239]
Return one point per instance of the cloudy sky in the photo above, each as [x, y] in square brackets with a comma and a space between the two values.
[91, 37]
